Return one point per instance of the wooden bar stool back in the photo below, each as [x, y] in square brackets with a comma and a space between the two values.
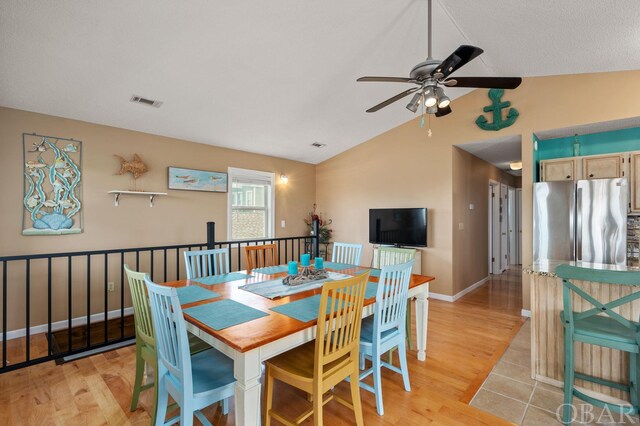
[317, 366]
[601, 326]
[261, 256]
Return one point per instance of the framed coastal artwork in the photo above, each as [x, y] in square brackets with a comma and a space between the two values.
[197, 180]
[52, 202]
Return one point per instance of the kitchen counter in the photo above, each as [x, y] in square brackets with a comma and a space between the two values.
[548, 267]
[547, 332]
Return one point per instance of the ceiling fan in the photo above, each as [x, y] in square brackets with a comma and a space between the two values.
[432, 74]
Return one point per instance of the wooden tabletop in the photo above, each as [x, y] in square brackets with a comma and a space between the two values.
[258, 332]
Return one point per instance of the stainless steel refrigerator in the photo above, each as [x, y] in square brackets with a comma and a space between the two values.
[583, 220]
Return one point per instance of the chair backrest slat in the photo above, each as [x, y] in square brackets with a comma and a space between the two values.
[339, 317]
[394, 256]
[204, 263]
[391, 297]
[172, 342]
[346, 253]
[141, 308]
[261, 256]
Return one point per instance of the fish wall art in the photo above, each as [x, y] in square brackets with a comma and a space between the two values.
[52, 185]
[197, 180]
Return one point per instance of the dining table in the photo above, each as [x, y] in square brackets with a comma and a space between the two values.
[270, 333]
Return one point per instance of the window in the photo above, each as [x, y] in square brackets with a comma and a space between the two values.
[251, 204]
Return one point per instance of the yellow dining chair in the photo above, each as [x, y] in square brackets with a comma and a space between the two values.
[317, 366]
[261, 256]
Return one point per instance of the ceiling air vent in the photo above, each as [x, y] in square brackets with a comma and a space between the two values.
[145, 101]
[319, 145]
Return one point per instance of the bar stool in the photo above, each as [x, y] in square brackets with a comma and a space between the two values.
[600, 326]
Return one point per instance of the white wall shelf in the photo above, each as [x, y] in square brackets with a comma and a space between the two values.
[118, 193]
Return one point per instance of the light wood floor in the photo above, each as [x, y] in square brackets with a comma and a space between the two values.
[466, 339]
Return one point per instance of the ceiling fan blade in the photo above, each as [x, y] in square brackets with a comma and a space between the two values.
[443, 111]
[393, 99]
[485, 82]
[456, 60]
[387, 79]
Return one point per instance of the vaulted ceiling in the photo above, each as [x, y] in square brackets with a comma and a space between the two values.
[274, 76]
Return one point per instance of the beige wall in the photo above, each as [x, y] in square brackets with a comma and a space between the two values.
[471, 177]
[404, 167]
[178, 218]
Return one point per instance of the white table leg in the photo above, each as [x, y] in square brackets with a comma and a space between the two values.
[246, 369]
[422, 317]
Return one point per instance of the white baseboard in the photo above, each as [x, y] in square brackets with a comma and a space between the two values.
[458, 295]
[61, 325]
[525, 313]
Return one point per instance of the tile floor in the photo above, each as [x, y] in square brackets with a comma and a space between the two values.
[510, 393]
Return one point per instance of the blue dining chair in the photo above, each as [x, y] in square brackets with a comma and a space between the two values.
[194, 382]
[204, 263]
[386, 329]
[601, 326]
[346, 253]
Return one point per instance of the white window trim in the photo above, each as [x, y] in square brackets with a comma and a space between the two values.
[271, 177]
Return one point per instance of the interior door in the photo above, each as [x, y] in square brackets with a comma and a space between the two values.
[512, 230]
[494, 228]
[504, 222]
[519, 225]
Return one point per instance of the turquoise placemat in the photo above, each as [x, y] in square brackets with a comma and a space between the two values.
[194, 293]
[371, 291]
[306, 309]
[338, 266]
[271, 269]
[223, 314]
[303, 310]
[275, 288]
[222, 278]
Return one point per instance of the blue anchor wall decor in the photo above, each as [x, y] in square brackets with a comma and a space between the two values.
[496, 108]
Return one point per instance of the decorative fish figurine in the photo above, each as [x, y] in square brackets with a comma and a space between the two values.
[70, 148]
[136, 167]
[183, 177]
[67, 173]
[189, 181]
[67, 204]
[49, 203]
[34, 165]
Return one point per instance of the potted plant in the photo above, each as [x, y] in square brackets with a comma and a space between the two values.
[324, 232]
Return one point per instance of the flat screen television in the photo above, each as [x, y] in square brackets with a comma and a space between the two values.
[400, 227]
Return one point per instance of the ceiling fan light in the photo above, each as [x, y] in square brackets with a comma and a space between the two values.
[515, 165]
[432, 109]
[443, 100]
[430, 100]
[415, 102]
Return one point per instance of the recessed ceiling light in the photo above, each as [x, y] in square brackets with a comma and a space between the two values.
[319, 145]
[145, 101]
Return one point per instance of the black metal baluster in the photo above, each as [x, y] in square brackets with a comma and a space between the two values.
[69, 301]
[88, 301]
[239, 263]
[177, 264]
[138, 260]
[4, 314]
[106, 298]
[49, 337]
[28, 328]
[165, 265]
[122, 295]
[151, 272]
